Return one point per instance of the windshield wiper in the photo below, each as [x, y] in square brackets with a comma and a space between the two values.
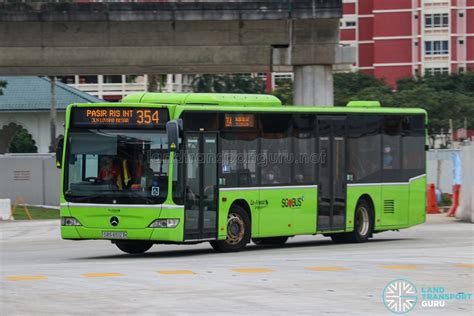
[118, 195]
[85, 197]
[147, 200]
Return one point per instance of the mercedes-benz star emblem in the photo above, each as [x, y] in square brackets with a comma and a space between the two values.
[114, 221]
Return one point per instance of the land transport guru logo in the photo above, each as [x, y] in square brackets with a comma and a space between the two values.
[401, 296]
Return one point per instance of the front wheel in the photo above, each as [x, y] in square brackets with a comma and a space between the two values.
[238, 231]
[133, 247]
[363, 225]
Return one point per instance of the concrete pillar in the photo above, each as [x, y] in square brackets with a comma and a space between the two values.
[313, 85]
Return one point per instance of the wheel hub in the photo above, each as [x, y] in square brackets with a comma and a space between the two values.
[235, 229]
[362, 221]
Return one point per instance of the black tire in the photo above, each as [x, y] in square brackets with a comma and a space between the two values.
[238, 231]
[271, 241]
[133, 247]
[363, 225]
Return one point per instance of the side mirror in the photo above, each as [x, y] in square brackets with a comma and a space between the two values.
[173, 129]
[59, 152]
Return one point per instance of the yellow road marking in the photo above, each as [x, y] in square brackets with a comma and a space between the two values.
[400, 267]
[252, 270]
[327, 268]
[176, 272]
[101, 275]
[26, 277]
[465, 265]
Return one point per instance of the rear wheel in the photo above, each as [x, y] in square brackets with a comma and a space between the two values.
[238, 231]
[274, 241]
[363, 225]
[133, 247]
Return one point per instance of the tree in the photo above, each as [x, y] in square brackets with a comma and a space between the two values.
[3, 84]
[346, 85]
[22, 142]
[284, 91]
[228, 83]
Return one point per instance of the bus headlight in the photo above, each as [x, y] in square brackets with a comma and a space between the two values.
[165, 223]
[70, 221]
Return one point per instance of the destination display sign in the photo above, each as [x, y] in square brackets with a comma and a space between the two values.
[239, 120]
[115, 117]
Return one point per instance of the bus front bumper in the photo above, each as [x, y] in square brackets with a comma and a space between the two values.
[153, 234]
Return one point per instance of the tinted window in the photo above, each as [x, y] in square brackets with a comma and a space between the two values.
[304, 143]
[391, 142]
[413, 141]
[364, 147]
[275, 149]
[239, 158]
[194, 121]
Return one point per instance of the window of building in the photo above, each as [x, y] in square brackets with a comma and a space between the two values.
[436, 71]
[88, 79]
[66, 79]
[131, 78]
[436, 20]
[350, 24]
[113, 79]
[436, 47]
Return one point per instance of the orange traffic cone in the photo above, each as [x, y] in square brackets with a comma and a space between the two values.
[455, 203]
[431, 206]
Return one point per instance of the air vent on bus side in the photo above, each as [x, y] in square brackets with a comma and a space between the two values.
[389, 206]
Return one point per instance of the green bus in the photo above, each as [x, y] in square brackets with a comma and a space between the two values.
[162, 168]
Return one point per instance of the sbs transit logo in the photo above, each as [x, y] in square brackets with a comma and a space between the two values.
[400, 296]
[292, 202]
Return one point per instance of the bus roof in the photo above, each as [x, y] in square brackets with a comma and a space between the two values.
[305, 109]
[254, 102]
[222, 99]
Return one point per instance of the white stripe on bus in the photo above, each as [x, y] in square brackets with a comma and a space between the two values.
[121, 205]
[386, 183]
[269, 188]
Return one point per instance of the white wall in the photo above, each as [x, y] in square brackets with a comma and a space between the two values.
[37, 124]
[33, 176]
[466, 209]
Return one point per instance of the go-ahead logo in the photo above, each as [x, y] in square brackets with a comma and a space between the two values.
[400, 296]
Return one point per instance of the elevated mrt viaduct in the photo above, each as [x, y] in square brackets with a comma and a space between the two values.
[184, 37]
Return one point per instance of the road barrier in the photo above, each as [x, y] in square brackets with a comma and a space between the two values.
[431, 205]
[455, 203]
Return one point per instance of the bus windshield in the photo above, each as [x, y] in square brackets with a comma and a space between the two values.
[116, 166]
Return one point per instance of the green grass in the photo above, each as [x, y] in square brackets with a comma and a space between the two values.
[36, 213]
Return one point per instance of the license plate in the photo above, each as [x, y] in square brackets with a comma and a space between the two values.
[115, 235]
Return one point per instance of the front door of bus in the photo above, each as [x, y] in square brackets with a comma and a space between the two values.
[200, 196]
[332, 184]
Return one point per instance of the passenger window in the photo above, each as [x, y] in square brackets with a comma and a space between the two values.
[413, 142]
[364, 146]
[305, 157]
[239, 159]
[391, 142]
[275, 149]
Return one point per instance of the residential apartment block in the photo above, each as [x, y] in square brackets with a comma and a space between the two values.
[403, 38]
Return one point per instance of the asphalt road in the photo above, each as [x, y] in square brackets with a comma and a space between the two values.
[42, 274]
